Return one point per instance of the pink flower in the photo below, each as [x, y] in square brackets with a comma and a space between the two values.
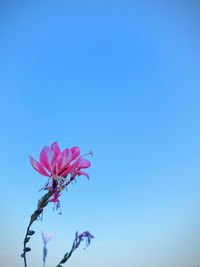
[54, 162]
[58, 165]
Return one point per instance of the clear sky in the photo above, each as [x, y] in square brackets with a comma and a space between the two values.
[121, 79]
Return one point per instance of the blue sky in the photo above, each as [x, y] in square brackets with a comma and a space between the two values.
[121, 79]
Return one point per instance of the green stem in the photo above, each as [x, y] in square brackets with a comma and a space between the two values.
[41, 204]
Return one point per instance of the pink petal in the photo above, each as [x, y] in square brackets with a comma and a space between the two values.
[56, 148]
[63, 160]
[68, 170]
[83, 163]
[75, 169]
[82, 173]
[75, 152]
[48, 159]
[38, 166]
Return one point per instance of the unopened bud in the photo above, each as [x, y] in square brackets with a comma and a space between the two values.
[27, 249]
[27, 239]
[31, 232]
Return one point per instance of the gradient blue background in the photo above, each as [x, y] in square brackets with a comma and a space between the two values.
[119, 78]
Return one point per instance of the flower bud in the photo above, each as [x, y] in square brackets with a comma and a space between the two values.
[31, 232]
[27, 249]
[27, 239]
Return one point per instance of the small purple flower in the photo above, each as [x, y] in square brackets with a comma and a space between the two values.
[79, 238]
[45, 238]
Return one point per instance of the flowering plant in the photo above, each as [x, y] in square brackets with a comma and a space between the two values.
[61, 168]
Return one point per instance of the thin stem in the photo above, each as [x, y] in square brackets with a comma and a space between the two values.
[65, 257]
[41, 204]
[25, 241]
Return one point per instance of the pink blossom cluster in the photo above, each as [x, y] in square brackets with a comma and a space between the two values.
[61, 167]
